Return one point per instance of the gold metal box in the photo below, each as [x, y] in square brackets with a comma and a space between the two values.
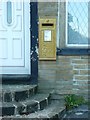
[47, 38]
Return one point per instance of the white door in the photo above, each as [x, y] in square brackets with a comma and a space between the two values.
[14, 37]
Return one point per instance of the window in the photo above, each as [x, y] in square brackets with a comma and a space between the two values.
[77, 23]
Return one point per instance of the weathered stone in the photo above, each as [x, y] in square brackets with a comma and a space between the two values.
[62, 87]
[61, 70]
[19, 108]
[74, 57]
[6, 118]
[43, 104]
[82, 66]
[30, 92]
[20, 92]
[76, 72]
[84, 72]
[64, 91]
[63, 59]
[85, 82]
[32, 107]
[8, 110]
[1, 96]
[64, 77]
[84, 57]
[25, 107]
[81, 77]
[81, 87]
[35, 89]
[21, 95]
[78, 61]
[7, 97]
[47, 9]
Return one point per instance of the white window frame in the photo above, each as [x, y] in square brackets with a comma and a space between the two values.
[72, 45]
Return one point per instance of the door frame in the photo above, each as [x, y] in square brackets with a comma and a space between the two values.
[27, 78]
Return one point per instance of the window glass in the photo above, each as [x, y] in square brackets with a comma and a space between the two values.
[77, 23]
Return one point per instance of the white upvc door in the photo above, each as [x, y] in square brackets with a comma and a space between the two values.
[14, 37]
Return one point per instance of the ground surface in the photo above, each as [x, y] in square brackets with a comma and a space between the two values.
[80, 113]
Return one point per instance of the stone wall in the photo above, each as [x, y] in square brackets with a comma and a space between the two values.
[68, 74]
[47, 9]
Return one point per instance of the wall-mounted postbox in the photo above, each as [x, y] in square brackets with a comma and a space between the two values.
[47, 39]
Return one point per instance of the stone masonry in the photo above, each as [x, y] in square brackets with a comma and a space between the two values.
[68, 74]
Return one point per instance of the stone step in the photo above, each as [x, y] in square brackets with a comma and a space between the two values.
[9, 93]
[55, 110]
[55, 96]
[36, 103]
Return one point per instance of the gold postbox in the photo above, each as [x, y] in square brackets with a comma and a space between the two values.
[47, 38]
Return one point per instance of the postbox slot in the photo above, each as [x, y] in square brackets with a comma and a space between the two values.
[47, 24]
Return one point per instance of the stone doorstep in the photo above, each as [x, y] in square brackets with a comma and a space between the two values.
[38, 102]
[15, 87]
[21, 92]
[52, 111]
[57, 96]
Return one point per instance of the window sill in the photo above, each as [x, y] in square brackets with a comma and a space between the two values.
[73, 51]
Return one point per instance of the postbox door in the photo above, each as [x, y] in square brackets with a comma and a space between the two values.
[47, 39]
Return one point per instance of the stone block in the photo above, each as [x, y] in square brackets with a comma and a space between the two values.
[7, 111]
[84, 57]
[1, 96]
[78, 61]
[64, 67]
[31, 108]
[35, 89]
[47, 8]
[21, 95]
[43, 104]
[84, 72]
[63, 60]
[74, 57]
[76, 72]
[81, 87]
[81, 77]
[82, 66]
[5, 118]
[64, 77]
[30, 92]
[81, 82]
[21, 109]
[7, 97]
[64, 72]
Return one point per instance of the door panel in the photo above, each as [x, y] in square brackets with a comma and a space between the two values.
[14, 37]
